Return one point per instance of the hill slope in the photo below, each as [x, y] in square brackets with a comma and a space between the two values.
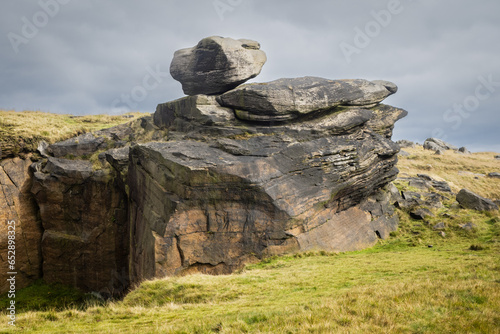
[420, 280]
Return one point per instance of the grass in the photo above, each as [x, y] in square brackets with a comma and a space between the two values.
[20, 132]
[417, 281]
[399, 286]
[446, 167]
[388, 289]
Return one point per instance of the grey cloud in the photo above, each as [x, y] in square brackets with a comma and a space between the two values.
[92, 53]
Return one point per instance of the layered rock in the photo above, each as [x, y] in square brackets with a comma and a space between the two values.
[211, 182]
[224, 190]
[85, 231]
[216, 65]
[18, 206]
[288, 99]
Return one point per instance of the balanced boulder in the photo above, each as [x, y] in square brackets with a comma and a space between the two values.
[287, 99]
[217, 65]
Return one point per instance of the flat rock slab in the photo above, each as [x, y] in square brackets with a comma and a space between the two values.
[217, 65]
[470, 200]
[287, 99]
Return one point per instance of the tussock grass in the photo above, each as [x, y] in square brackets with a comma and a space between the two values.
[417, 281]
[446, 167]
[391, 288]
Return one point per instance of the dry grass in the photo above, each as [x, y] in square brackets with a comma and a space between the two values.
[446, 289]
[447, 167]
[22, 131]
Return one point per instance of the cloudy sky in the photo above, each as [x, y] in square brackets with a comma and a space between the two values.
[89, 57]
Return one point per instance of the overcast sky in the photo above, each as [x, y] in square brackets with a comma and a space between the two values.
[89, 57]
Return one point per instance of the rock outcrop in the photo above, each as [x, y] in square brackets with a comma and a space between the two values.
[216, 65]
[18, 206]
[288, 99]
[84, 218]
[210, 182]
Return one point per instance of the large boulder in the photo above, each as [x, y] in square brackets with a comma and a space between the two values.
[223, 191]
[217, 65]
[216, 181]
[470, 200]
[197, 207]
[288, 99]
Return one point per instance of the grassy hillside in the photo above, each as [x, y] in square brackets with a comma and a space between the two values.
[22, 131]
[418, 281]
[456, 169]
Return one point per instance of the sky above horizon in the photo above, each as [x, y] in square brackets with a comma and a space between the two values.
[103, 57]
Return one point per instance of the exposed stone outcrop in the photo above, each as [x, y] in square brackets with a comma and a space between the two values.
[17, 205]
[217, 65]
[84, 216]
[211, 182]
[288, 99]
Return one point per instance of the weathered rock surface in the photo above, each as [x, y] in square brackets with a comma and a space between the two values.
[435, 144]
[211, 182]
[85, 232]
[405, 143]
[17, 205]
[191, 200]
[470, 200]
[288, 99]
[217, 65]
[464, 150]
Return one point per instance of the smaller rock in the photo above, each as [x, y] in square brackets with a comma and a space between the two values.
[425, 177]
[464, 150]
[447, 215]
[468, 226]
[421, 214]
[441, 186]
[411, 195]
[394, 193]
[118, 157]
[405, 143]
[74, 169]
[439, 226]
[85, 144]
[470, 200]
[439, 152]
[403, 154]
[419, 184]
[433, 200]
[461, 172]
[42, 148]
[494, 175]
[497, 157]
[437, 144]
[441, 233]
